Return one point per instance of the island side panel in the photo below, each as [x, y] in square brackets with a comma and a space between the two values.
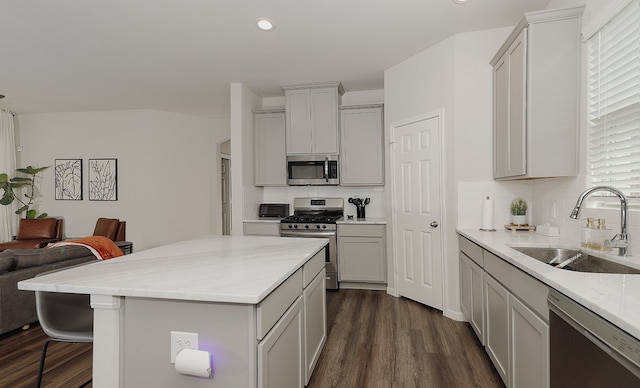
[227, 331]
[107, 340]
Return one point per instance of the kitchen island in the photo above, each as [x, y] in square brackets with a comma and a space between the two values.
[257, 304]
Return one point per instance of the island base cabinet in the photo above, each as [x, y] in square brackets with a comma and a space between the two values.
[223, 330]
[280, 353]
[529, 347]
[315, 318]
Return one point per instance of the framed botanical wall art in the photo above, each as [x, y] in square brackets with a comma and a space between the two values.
[103, 179]
[68, 179]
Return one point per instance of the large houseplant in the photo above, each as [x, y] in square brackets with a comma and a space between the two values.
[28, 182]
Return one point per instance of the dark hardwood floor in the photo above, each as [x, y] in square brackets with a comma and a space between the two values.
[375, 341]
[68, 365]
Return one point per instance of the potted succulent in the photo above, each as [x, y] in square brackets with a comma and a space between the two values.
[9, 186]
[519, 211]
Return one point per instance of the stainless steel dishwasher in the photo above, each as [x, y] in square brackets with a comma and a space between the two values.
[587, 350]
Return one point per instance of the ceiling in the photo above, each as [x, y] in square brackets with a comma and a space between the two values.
[181, 55]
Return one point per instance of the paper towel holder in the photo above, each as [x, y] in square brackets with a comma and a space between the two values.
[487, 215]
[192, 362]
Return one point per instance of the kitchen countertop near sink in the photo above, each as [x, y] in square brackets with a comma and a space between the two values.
[361, 221]
[615, 297]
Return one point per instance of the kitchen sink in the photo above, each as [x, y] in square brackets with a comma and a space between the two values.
[575, 260]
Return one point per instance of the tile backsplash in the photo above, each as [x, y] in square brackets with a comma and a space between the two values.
[550, 201]
[472, 194]
[376, 207]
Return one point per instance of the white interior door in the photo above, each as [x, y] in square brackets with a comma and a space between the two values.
[416, 161]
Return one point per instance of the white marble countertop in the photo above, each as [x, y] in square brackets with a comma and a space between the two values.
[265, 220]
[231, 269]
[367, 220]
[615, 297]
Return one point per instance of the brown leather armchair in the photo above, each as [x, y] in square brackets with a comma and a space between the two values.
[35, 233]
[111, 228]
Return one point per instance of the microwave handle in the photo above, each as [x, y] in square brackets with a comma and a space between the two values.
[326, 168]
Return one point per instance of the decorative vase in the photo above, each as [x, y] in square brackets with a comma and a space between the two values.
[518, 220]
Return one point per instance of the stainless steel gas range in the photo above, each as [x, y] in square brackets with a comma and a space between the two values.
[316, 218]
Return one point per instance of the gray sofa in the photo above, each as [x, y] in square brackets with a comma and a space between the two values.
[17, 307]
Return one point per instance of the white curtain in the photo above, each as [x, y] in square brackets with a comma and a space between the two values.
[8, 218]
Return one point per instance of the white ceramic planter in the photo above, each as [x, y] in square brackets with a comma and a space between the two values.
[518, 220]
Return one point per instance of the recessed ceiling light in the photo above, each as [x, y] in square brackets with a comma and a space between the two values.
[461, 1]
[265, 24]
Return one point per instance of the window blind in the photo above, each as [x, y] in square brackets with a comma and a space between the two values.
[614, 102]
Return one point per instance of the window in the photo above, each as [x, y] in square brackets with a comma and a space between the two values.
[614, 101]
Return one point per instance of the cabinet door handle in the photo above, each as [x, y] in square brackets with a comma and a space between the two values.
[433, 224]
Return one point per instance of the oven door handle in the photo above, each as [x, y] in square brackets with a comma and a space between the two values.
[307, 234]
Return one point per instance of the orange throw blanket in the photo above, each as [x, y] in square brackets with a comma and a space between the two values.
[102, 247]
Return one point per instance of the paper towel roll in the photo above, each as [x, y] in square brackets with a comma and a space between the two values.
[194, 363]
[487, 214]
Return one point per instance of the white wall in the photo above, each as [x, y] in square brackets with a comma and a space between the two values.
[165, 169]
[422, 84]
[245, 196]
[454, 75]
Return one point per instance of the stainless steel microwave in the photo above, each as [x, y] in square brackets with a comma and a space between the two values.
[312, 170]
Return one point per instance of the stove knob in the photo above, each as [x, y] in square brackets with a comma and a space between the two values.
[290, 226]
[319, 226]
[295, 226]
[306, 226]
[324, 226]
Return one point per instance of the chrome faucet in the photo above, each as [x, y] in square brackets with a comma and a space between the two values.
[621, 240]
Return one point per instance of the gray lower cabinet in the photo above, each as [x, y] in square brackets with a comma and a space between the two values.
[269, 148]
[361, 253]
[472, 294]
[261, 228]
[514, 314]
[497, 334]
[361, 145]
[529, 350]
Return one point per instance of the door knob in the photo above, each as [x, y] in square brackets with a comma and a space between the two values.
[433, 224]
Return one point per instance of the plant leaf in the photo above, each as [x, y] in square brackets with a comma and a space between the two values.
[30, 170]
[22, 209]
[7, 197]
[43, 215]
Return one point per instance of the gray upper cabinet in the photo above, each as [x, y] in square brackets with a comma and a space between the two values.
[269, 145]
[361, 146]
[536, 78]
[312, 118]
